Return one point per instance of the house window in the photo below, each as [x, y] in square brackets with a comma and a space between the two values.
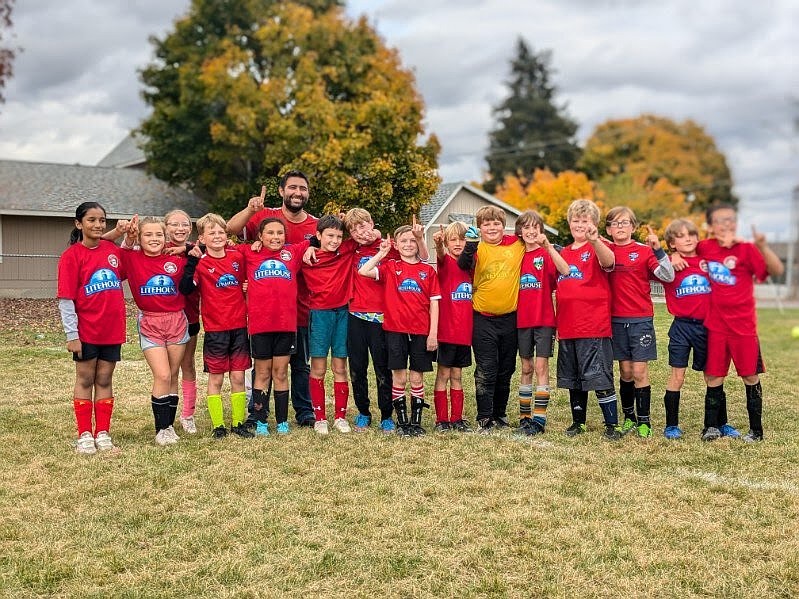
[464, 218]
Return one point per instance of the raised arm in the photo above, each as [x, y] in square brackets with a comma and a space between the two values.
[774, 265]
[560, 264]
[603, 253]
[664, 270]
[369, 269]
[418, 233]
[239, 220]
[468, 257]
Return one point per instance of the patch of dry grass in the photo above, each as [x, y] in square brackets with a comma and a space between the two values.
[364, 514]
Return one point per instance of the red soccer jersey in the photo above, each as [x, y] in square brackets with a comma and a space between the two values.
[219, 281]
[295, 233]
[688, 295]
[329, 279]
[455, 313]
[583, 296]
[732, 272]
[630, 293]
[92, 279]
[536, 285]
[367, 293]
[272, 288]
[153, 280]
[192, 307]
[409, 289]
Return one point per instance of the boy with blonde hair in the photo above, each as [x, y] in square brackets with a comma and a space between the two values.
[219, 275]
[496, 262]
[585, 349]
[536, 319]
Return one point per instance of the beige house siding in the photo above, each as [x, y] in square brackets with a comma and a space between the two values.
[30, 248]
[464, 202]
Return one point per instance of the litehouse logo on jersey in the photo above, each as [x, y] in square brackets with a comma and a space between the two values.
[528, 281]
[170, 268]
[285, 255]
[409, 286]
[113, 261]
[361, 262]
[102, 280]
[462, 293]
[538, 262]
[227, 280]
[720, 274]
[159, 285]
[693, 285]
[633, 256]
[585, 256]
[272, 269]
[574, 273]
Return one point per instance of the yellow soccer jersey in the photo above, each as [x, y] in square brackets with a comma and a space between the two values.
[496, 276]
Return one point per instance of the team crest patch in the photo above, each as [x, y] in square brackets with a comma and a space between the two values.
[585, 256]
[703, 265]
[730, 262]
[285, 255]
[538, 263]
[113, 261]
[423, 275]
[235, 266]
[645, 340]
[170, 268]
[633, 256]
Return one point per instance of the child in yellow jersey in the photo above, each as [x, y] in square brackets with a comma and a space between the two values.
[496, 262]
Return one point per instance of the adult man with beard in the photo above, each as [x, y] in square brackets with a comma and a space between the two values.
[294, 191]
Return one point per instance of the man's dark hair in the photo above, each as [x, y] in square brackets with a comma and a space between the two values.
[293, 173]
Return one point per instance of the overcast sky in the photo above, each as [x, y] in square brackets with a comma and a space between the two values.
[730, 65]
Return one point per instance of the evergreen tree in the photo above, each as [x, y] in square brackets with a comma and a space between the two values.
[532, 131]
[243, 90]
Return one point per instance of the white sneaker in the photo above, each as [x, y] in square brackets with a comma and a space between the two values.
[341, 425]
[320, 426]
[188, 425]
[103, 441]
[86, 444]
[162, 438]
[170, 431]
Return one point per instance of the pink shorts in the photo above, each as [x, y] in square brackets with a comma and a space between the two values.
[742, 350]
[159, 329]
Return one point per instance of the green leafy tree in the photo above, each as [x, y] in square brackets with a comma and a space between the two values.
[243, 90]
[532, 131]
[654, 157]
[7, 54]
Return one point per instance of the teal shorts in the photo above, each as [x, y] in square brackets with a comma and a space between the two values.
[328, 332]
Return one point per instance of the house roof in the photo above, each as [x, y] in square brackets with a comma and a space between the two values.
[127, 153]
[447, 191]
[45, 189]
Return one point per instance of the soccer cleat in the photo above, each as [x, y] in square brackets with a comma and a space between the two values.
[711, 433]
[163, 439]
[644, 430]
[251, 423]
[416, 430]
[261, 429]
[341, 425]
[242, 431]
[613, 432]
[387, 426]
[404, 430]
[320, 426]
[220, 432]
[501, 422]
[170, 431]
[727, 430]
[575, 429]
[672, 432]
[282, 428]
[485, 426]
[462, 426]
[524, 425]
[628, 426]
[362, 422]
[752, 436]
[534, 428]
[103, 441]
[188, 425]
[442, 427]
[86, 444]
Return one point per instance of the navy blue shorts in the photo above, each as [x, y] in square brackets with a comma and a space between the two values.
[634, 341]
[452, 355]
[90, 351]
[686, 334]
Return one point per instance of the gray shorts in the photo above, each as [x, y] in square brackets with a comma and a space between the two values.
[585, 364]
[536, 341]
[634, 341]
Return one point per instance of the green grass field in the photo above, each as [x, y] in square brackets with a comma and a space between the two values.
[369, 515]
